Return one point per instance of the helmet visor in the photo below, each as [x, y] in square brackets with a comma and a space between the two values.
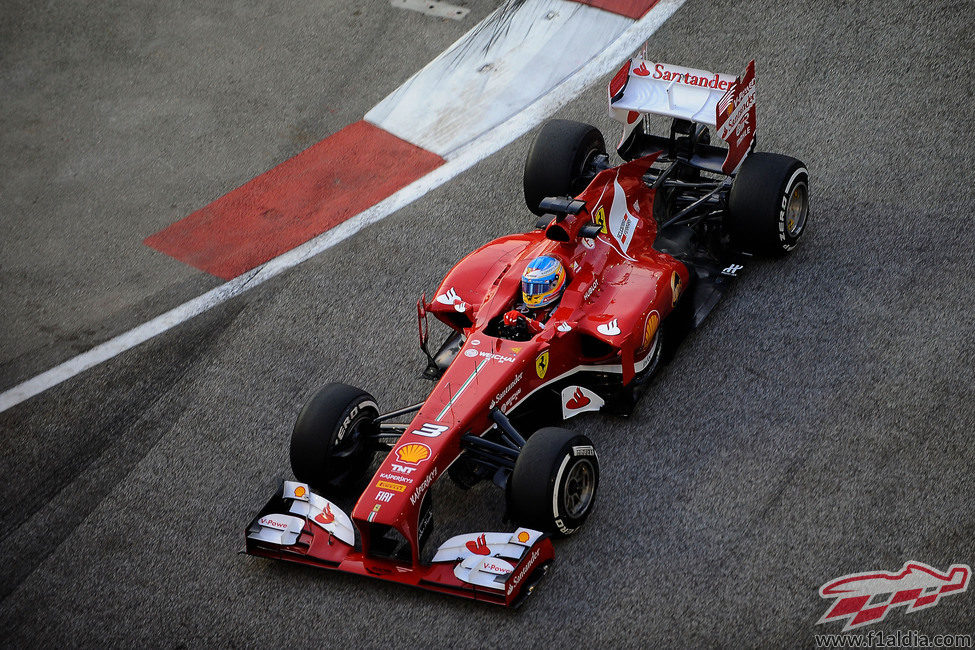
[538, 287]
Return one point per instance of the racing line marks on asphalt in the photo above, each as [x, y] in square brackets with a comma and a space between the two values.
[510, 59]
[463, 159]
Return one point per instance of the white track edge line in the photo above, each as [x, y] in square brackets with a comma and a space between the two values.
[458, 161]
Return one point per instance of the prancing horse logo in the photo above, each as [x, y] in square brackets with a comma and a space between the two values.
[541, 364]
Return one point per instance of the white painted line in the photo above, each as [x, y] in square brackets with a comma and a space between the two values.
[436, 8]
[510, 59]
[467, 383]
[461, 160]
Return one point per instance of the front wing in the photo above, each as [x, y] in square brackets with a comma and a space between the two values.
[300, 526]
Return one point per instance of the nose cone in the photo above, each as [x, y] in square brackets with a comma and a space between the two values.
[487, 373]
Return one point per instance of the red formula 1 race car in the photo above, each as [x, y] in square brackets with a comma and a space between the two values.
[574, 316]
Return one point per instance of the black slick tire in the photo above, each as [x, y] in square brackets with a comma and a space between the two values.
[554, 483]
[558, 160]
[769, 204]
[329, 446]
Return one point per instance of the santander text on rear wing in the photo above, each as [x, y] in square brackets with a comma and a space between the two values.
[719, 100]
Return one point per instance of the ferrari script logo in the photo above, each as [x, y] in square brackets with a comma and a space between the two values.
[541, 364]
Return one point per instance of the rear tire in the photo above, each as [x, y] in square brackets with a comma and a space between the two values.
[553, 486]
[769, 204]
[330, 449]
[560, 161]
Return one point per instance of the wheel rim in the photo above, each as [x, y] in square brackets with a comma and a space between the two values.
[353, 442]
[796, 210]
[653, 355]
[354, 445]
[588, 162]
[580, 486]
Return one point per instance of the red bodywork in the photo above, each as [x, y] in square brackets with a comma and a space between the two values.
[619, 290]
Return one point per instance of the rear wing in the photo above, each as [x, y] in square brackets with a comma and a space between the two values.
[717, 100]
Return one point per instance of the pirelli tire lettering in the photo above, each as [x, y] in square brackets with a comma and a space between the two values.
[791, 222]
[768, 205]
[553, 486]
[563, 528]
[583, 450]
[329, 447]
[573, 485]
[351, 417]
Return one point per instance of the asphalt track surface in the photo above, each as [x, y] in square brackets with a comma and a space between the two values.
[120, 119]
[819, 423]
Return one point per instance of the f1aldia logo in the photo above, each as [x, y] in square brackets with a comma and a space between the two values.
[865, 598]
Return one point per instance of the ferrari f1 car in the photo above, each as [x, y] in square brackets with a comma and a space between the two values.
[647, 247]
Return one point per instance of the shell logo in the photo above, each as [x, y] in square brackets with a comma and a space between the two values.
[653, 321]
[675, 287]
[523, 537]
[300, 491]
[413, 453]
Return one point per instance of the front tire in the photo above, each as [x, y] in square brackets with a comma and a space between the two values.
[553, 486]
[330, 449]
[561, 161]
[769, 204]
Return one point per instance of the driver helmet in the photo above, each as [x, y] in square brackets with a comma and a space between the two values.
[542, 282]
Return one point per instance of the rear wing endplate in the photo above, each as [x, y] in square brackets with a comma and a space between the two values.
[719, 100]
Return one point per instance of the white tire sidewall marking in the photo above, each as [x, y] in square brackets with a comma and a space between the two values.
[356, 410]
[558, 482]
[784, 208]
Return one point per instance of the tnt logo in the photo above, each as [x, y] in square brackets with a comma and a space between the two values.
[865, 598]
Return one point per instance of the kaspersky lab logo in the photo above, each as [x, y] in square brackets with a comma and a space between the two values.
[865, 598]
